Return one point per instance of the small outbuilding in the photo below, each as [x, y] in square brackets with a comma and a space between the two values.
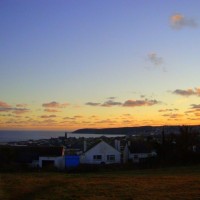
[52, 157]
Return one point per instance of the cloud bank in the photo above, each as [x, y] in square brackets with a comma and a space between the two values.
[136, 103]
[48, 116]
[54, 104]
[92, 104]
[187, 92]
[111, 103]
[4, 107]
[127, 103]
[168, 110]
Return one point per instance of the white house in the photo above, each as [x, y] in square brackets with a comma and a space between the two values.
[101, 153]
[137, 152]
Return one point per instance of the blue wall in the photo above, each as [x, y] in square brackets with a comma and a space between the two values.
[72, 161]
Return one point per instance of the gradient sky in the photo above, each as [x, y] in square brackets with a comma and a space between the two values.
[68, 64]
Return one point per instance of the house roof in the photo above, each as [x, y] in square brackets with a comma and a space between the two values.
[98, 142]
[90, 146]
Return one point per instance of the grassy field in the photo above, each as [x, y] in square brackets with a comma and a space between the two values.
[160, 184]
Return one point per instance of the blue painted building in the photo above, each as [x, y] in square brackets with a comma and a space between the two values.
[72, 161]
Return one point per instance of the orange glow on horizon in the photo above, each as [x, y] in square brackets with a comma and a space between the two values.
[104, 125]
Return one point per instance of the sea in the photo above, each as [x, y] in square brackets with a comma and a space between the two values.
[16, 136]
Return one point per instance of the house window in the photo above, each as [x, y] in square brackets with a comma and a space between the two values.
[111, 157]
[97, 157]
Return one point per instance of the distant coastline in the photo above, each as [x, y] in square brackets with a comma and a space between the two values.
[16, 136]
[12, 136]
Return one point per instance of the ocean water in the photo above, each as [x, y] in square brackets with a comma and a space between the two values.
[14, 136]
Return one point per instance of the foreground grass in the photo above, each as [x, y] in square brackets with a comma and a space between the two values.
[170, 183]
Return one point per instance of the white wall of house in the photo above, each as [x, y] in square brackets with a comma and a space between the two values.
[101, 153]
[59, 162]
[126, 154]
[135, 157]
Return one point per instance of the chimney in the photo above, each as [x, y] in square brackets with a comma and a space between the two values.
[84, 145]
[65, 135]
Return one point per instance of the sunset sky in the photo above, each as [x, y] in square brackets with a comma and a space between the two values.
[70, 64]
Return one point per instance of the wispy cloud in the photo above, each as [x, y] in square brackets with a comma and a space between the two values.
[21, 105]
[135, 103]
[187, 92]
[111, 98]
[127, 115]
[194, 111]
[48, 122]
[194, 119]
[93, 117]
[51, 110]
[195, 106]
[92, 104]
[6, 115]
[106, 121]
[168, 110]
[20, 110]
[55, 104]
[15, 110]
[78, 116]
[155, 59]
[48, 116]
[69, 118]
[128, 103]
[111, 103]
[4, 107]
[173, 115]
[179, 21]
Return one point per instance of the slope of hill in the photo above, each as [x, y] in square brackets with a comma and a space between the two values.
[134, 130]
[116, 131]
